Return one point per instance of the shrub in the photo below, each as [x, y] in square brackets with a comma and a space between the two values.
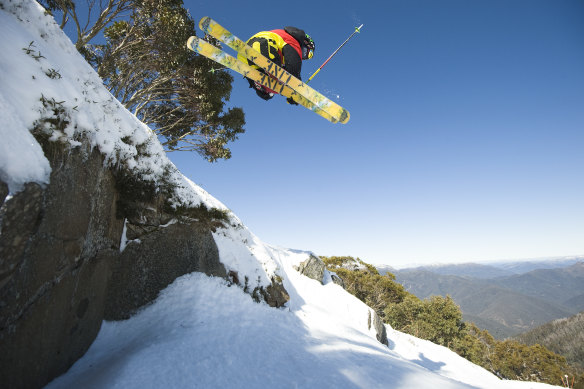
[437, 319]
[366, 283]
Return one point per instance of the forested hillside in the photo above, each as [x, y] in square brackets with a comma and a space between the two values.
[562, 336]
[506, 306]
[440, 320]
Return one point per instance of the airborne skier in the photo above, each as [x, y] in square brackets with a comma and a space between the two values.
[265, 71]
[286, 48]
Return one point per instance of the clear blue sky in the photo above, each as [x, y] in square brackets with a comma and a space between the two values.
[466, 138]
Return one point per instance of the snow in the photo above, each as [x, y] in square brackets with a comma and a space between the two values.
[201, 331]
[19, 145]
[33, 46]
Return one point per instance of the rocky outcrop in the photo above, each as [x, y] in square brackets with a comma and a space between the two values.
[276, 295]
[162, 255]
[62, 271]
[380, 332]
[56, 244]
[313, 268]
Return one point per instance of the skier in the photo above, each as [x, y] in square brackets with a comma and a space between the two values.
[287, 48]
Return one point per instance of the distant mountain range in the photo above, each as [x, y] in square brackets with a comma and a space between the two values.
[504, 298]
[491, 269]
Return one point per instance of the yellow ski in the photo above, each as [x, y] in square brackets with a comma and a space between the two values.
[208, 50]
[283, 78]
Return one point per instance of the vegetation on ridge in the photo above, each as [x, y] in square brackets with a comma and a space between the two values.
[562, 336]
[439, 320]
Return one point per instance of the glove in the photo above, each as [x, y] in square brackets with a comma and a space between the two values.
[291, 101]
[264, 95]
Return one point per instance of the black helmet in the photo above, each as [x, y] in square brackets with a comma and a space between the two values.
[307, 47]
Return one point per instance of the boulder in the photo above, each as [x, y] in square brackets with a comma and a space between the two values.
[276, 295]
[380, 332]
[313, 268]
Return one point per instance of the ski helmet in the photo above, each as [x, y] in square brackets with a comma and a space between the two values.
[307, 47]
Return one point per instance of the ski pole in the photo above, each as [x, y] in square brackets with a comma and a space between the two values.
[357, 29]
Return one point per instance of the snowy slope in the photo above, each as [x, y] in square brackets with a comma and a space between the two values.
[200, 332]
[33, 47]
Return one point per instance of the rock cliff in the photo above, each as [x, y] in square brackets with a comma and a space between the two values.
[63, 270]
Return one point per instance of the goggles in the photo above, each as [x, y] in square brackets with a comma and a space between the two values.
[307, 53]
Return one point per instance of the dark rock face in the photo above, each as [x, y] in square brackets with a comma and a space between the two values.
[144, 269]
[56, 244]
[62, 272]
